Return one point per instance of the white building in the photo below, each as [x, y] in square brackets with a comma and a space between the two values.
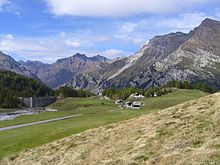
[137, 105]
[118, 101]
[128, 104]
[136, 96]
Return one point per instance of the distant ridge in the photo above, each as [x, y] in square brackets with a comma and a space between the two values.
[9, 64]
[176, 56]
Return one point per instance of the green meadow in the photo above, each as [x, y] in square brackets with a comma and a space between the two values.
[95, 112]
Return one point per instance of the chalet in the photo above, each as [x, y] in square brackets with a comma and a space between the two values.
[128, 104]
[118, 101]
[137, 105]
[136, 96]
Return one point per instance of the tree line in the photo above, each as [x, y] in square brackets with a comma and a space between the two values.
[67, 91]
[124, 93]
[13, 86]
[203, 86]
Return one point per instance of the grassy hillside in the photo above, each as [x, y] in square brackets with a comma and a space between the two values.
[188, 133]
[95, 113]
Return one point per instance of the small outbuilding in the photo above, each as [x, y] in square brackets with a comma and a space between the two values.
[118, 101]
[136, 96]
[137, 105]
[128, 104]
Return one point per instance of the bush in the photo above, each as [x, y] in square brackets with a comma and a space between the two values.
[71, 92]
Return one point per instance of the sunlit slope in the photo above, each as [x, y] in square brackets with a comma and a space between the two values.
[188, 133]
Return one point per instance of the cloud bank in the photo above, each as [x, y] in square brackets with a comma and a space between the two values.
[120, 8]
[2, 3]
[49, 49]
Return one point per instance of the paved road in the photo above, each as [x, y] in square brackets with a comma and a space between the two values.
[38, 122]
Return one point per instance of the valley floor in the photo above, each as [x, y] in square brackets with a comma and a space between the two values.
[95, 113]
[188, 133]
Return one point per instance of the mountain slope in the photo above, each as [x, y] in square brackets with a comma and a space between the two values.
[194, 57]
[64, 70]
[199, 57]
[176, 56]
[9, 64]
[185, 134]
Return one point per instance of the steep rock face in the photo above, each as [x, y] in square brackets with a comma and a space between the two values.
[67, 70]
[194, 57]
[37, 68]
[157, 49]
[198, 59]
[94, 80]
[99, 58]
[9, 64]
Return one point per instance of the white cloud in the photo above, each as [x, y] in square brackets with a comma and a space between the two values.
[43, 50]
[115, 8]
[217, 13]
[183, 22]
[63, 34]
[7, 36]
[129, 27]
[2, 3]
[73, 44]
[114, 53]
[49, 49]
[102, 38]
[131, 37]
[9, 7]
[138, 32]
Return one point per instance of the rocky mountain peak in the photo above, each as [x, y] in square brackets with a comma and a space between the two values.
[79, 55]
[8, 63]
[99, 58]
[205, 36]
[193, 57]
[209, 22]
[207, 26]
[172, 39]
[72, 58]
[4, 56]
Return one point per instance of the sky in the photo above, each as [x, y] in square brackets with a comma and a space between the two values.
[47, 30]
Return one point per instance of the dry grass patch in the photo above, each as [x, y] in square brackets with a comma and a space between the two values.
[188, 133]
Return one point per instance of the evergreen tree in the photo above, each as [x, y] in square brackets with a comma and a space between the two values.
[13, 86]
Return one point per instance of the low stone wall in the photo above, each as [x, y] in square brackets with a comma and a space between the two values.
[37, 101]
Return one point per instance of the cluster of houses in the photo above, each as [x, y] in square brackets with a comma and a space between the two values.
[132, 104]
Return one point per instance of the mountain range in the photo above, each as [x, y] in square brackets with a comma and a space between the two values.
[8, 63]
[194, 56]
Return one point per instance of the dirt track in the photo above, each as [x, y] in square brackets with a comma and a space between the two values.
[38, 122]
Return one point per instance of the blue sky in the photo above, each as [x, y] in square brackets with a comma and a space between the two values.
[46, 30]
